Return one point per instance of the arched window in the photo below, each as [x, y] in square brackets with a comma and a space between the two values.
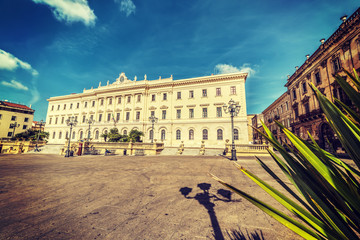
[205, 134]
[81, 135]
[60, 133]
[73, 135]
[67, 135]
[97, 134]
[151, 134]
[163, 134]
[191, 134]
[54, 134]
[236, 134]
[219, 134]
[125, 132]
[178, 134]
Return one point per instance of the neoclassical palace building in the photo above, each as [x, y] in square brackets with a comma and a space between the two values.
[189, 110]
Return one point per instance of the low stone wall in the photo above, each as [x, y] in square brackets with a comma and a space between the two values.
[118, 148]
[16, 147]
[247, 148]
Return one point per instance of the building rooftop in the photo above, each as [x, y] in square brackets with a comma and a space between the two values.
[14, 105]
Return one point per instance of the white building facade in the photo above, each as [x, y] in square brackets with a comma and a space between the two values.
[188, 110]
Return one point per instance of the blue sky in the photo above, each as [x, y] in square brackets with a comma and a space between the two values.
[57, 47]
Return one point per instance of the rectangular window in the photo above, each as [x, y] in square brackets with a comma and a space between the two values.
[218, 91]
[119, 100]
[110, 101]
[336, 64]
[218, 111]
[100, 116]
[11, 125]
[163, 114]
[128, 99]
[77, 105]
[287, 106]
[153, 98]
[232, 90]
[204, 113]
[92, 117]
[93, 103]
[56, 119]
[304, 87]
[62, 120]
[117, 116]
[13, 118]
[164, 96]
[296, 112]
[85, 104]
[58, 107]
[75, 118]
[25, 127]
[294, 94]
[127, 116]
[9, 134]
[0, 116]
[204, 92]
[84, 117]
[137, 116]
[109, 117]
[64, 106]
[307, 108]
[71, 105]
[102, 102]
[317, 78]
[138, 98]
[191, 94]
[52, 108]
[191, 113]
[50, 120]
[152, 113]
[178, 113]
[25, 120]
[178, 95]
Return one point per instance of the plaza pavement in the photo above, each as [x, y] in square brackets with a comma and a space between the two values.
[128, 197]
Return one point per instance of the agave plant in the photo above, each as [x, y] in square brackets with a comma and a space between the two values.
[327, 188]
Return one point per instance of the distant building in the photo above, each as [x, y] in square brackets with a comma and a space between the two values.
[250, 129]
[14, 118]
[189, 110]
[340, 51]
[257, 138]
[38, 126]
[280, 111]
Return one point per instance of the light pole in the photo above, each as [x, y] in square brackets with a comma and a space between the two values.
[15, 125]
[89, 121]
[153, 120]
[37, 140]
[233, 109]
[72, 123]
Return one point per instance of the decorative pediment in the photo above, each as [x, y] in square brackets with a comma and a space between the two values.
[191, 106]
[164, 107]
[127, 109]
[92, 112]
[118, 110]
[295, 104]
[138, 108]
[100, 111]
[180, 106]
[305, 99]
[204, 104]
[152, 108]
[219, 104]
[109, 110]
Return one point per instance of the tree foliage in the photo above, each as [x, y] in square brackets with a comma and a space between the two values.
[31, 135]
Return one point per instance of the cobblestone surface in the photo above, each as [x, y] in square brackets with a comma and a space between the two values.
[147, 197]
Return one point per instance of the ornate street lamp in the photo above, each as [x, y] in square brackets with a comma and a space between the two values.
[38, 136]
[153, 120]
[72, 123]
[233, 109]
[14, 125]
[89, 121]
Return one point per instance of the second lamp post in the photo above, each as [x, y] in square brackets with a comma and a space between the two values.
[233, 108]
[153, 120]
[71, 121]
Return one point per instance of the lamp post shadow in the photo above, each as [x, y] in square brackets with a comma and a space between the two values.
[206, 199]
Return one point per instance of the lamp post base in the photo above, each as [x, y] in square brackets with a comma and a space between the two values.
[233, 155]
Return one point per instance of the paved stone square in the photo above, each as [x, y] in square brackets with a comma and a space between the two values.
[123, 197]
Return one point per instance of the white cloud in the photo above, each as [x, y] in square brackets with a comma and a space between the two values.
[71, 10]
[10, 62]
[126, 6]
[226, 68]
[15, 84]
[35, 95]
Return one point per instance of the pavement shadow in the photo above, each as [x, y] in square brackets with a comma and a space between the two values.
[207, 199]
[240, 235]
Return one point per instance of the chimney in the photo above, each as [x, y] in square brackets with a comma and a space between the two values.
[343, 18]
[30, 106]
